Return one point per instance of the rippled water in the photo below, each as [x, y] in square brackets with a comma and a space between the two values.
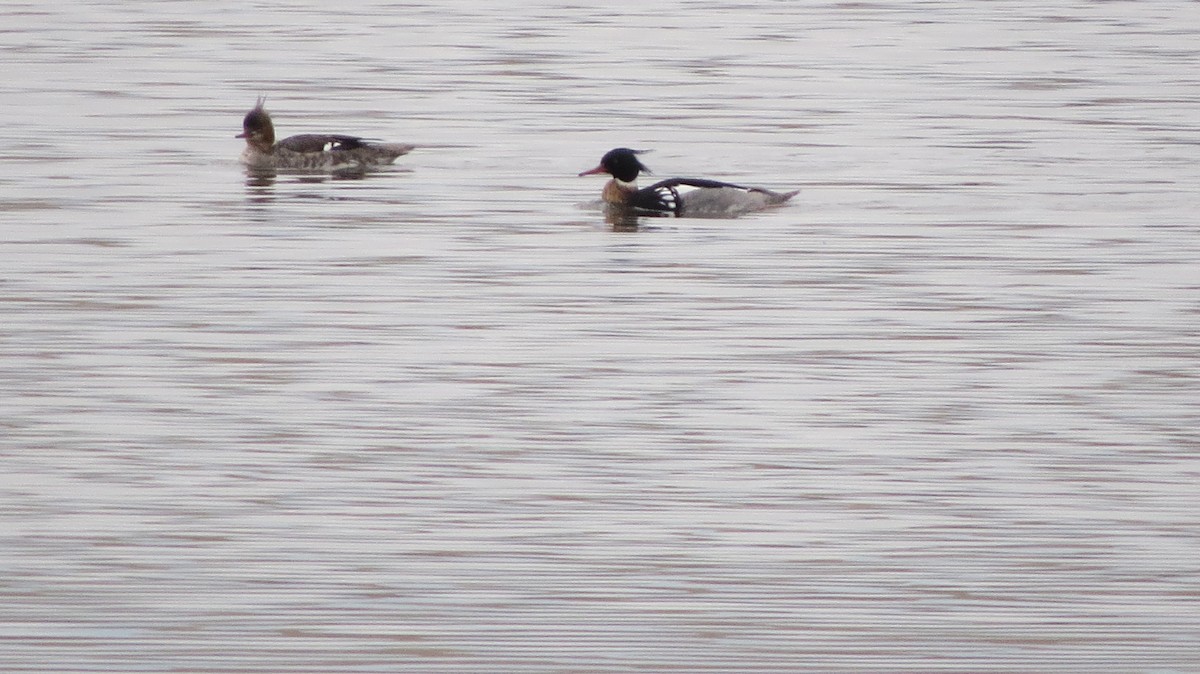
[938, 415]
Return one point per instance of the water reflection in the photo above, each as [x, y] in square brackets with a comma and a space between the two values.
[258, 177]
[627, 219]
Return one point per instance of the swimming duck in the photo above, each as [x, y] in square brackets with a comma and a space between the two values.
[683, 197]
[310, 151]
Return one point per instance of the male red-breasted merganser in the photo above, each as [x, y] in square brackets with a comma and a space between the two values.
[686, 197]
[310, 151]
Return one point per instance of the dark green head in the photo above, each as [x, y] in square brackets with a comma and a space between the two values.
[621, 163]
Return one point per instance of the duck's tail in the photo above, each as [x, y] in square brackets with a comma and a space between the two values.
[776, 198]
[388, 152]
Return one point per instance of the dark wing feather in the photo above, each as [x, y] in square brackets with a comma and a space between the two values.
[313, 142]
[696, 182]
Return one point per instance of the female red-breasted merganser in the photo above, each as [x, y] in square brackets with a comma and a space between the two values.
[310, 151]
[686, 197]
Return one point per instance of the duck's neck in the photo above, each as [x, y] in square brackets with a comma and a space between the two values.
[619, 191]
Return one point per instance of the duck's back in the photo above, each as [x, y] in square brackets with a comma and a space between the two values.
[324, 151]
[317, 142]
[700, 198]
[725, 202]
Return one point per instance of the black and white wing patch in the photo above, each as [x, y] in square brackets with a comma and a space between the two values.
[662, 197]
[336, 143]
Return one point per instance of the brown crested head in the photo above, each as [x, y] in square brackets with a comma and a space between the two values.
[257, 128]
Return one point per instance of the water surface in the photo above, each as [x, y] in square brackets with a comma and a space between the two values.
[938, 415]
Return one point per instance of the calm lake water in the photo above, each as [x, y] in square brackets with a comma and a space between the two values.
[940, 414]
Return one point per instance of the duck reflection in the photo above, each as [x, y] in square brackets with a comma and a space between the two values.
[627, 219]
